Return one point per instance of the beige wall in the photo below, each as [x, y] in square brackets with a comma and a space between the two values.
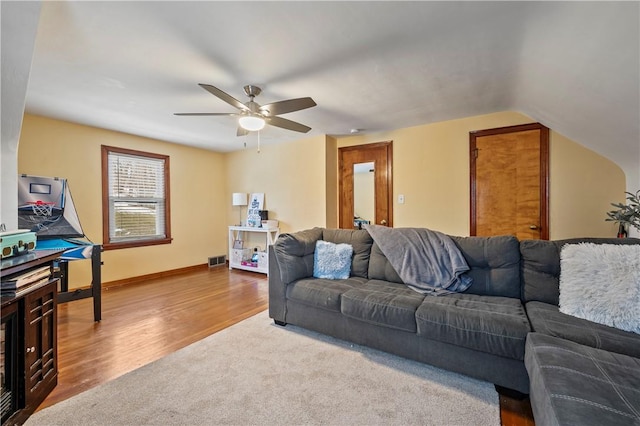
[299, 179]
[55, 148]
[331, 171]
[431, 169]
[292, 176]
[583, 186]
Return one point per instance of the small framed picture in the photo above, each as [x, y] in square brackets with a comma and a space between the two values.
[238, 244]
[256, 203]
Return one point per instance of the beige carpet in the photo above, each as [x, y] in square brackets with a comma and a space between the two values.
[257, 373]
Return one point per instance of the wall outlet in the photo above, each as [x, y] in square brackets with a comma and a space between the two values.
[401, 199]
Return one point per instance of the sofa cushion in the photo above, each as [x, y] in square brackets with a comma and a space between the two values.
[494, 263]
[380, 268]
[320, 292]
[541, 266]
[572, 384]
[496, 325]
[547, 319]
[361, 242]
[383, 303]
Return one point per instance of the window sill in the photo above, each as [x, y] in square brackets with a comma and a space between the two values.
[140, 243]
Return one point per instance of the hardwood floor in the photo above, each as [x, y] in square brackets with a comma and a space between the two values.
[515, 412]
[143, 322]
[146, 321]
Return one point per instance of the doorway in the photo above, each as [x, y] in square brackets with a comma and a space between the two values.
[365, 185]
[509, 181]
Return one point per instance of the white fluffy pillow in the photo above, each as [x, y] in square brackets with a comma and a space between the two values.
[601, 283]
[332, 261]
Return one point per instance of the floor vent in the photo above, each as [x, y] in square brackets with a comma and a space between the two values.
[217, 261]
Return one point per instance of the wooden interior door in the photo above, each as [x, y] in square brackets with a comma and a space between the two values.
[381, 155]
[509, 181]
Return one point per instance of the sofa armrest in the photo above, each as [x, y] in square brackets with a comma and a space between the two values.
[277, 290]
[290, 259]
[294, 254]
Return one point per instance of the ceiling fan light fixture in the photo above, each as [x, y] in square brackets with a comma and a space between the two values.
[251, 123]
[252, 116]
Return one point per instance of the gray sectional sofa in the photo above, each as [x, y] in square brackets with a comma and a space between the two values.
[504, 329]
[581, 372]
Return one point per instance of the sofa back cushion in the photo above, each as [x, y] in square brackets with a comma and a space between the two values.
[380, 268]
[494, 263]
[541, 266]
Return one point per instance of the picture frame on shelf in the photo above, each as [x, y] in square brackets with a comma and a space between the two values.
[256, 203]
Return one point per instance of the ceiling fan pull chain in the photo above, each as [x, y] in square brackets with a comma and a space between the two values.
[258, 141]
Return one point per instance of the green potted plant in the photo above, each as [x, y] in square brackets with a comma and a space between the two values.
[626, 214]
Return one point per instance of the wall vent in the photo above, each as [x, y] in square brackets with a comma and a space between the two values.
[217, 261]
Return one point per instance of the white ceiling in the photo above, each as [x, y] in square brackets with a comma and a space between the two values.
[128, 66]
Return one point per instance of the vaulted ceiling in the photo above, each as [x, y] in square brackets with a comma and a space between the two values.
[128, 66]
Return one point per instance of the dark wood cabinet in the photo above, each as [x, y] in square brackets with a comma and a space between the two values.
[41, 370]
[30, 345]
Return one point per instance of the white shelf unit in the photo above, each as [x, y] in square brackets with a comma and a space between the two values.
[238, 233]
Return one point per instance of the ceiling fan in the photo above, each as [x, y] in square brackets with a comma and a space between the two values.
[252, 116]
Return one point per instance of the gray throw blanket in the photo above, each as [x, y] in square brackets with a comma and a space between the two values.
[427, 261]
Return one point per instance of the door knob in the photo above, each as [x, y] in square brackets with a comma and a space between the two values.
[383, 222]
[533, 227]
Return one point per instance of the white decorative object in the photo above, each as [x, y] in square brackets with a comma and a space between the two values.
[256, 203]
[601, 283]
[239, 255]
[270, 223]
[263, 260]
[239, 199]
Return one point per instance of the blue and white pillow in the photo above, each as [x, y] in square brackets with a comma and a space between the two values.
[332, 261]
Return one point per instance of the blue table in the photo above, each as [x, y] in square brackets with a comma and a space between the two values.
[77, 250]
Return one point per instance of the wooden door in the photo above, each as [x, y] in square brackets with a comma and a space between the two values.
[381, 155]
[509, 181]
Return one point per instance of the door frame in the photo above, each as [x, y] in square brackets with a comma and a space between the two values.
[388, 180]
[544, 171]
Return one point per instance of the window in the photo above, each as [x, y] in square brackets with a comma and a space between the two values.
[135, 198]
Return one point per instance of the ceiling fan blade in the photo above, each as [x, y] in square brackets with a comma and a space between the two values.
[224, 96]
[290, 105]
[288, 124]
[205, 113]
[242, 132]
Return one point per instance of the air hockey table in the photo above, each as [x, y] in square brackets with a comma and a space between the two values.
[77, 250]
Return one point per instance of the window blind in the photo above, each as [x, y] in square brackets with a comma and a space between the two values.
[136, 197]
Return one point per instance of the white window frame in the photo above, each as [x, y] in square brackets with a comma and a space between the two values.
[112, 194]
